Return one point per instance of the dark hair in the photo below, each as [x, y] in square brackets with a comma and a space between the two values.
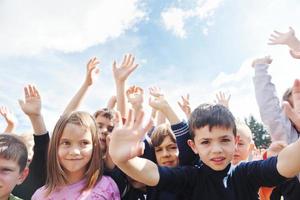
[105, 112]
[13, 148]
[213, 116]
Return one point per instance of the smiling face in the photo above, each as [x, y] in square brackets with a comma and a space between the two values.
[215, 146]
[75, 151]
[167, 153]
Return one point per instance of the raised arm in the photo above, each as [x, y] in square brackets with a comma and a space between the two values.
[111, 104]
[161, 104]
[161, 118]
[126, 144]
[9, 118]
[135, 96]
[32, 108]
[272, 115]
[91, 72]
[121, 74]
[288, 163]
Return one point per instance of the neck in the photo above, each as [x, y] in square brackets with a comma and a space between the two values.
[75, 177]
[6, 197]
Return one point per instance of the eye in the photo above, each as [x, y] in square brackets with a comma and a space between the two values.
[110, 128]
[84, 143]
[100, 125]
[204, 142]
[65, 143]
[225, 140]
[241, 144]
[158, 149]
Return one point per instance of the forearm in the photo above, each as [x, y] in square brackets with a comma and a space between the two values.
[121, 102]
[141, 170]
[161, 118]
[288, 164]
[294, 44]
[38, 124]
[170, 114]
[9, 128]
[77, 99]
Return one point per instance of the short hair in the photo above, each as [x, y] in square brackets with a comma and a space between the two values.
[286, 95]
[160, 133]
[212, 116]
[56, 176]
[13, 148]
[243, 128]
[105, 112]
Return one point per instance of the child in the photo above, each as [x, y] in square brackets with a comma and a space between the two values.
[75, 165]
[213, 138]
[13, 160]
[244, 144]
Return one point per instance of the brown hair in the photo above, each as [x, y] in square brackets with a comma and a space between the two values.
[12, 148]
[105, 112]
[160, 133]
[56, 176]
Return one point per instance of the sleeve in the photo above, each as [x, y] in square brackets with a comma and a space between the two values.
[37, 168]
[261, 173]
[279, 126]
[178, 179]
[186, 155]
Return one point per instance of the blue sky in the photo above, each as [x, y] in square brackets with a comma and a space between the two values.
[183, 46]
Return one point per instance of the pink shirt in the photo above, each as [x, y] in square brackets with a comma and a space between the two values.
[105, 189]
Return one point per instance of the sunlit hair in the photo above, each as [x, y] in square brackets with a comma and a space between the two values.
[56, 176]
[160, 133]
[12, 148]
[105, 112]
[211, 116]
[242, 128]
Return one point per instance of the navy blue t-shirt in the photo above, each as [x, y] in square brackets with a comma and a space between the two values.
[232, 183]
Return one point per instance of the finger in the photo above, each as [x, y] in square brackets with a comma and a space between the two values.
[139, 121]
[130, 118]
[148, 126]
[26, 92]
[131, 61]
[290, 113]
[131, 69]
[296, 95]
[180, 105]
[229, 97]
[36, 92]
[127, 60]
[118, 119]
[31, 92]
[124, 60]
[278, 33]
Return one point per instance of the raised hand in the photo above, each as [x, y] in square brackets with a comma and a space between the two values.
[287, 38]
[295, 54]
[155, 91]
[122, 72]
[135, 96]
[91, 71]
[185, 105]
[222, 99]
[293, 112]
[7, 114]
[32, 104]
[126, 141]
[265, 60]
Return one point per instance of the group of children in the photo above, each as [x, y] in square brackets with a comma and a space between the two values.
[113, 154]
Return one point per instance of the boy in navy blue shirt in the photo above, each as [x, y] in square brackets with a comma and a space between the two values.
[213, 133]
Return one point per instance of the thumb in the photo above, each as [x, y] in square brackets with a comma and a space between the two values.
[140, 149]
[295, 54]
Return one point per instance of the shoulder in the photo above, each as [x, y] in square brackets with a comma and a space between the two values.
[39, 193]
[106, 187]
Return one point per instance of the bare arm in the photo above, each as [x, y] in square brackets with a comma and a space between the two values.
[32, 108]
[91, 72]
[9, 118]
[126, 144]
[121, 74]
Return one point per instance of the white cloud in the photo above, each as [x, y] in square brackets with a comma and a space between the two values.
[174, 18]
[30, 27]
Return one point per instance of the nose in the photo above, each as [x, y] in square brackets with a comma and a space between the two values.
[216, 149]
[166, 153]
[74, 150]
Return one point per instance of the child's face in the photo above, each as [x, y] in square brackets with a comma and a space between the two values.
[167, 153]
[105, 126]
[10, 176]
[243, 149]
[215, 147]
[75, 151]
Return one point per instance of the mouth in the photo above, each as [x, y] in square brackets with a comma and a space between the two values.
[168, 163]
[218, 160]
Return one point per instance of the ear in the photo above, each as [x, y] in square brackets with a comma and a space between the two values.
[192, 145]
[23, 175]
[252, 146]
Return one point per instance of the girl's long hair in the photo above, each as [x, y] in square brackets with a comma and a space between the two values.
[56, 176]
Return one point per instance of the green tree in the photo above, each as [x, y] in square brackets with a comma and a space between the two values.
[261, 137]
